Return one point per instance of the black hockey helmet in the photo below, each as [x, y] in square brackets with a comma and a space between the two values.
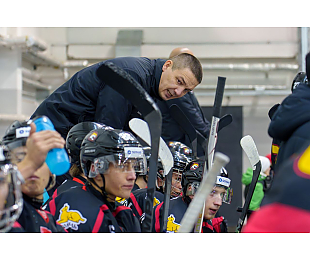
[16, 134]
[75, 137]
[301, 77]
[181, 153]
[11, 202]
[192, 176]
[105, 146]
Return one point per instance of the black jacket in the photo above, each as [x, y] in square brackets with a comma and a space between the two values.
[84, 97]
[291, 123]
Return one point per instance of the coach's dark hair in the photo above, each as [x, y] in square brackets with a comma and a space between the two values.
[185, 60]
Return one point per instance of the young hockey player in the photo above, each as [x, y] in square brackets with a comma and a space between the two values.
[109, 159]
[191, 179]
[33, 218]
[73, 144]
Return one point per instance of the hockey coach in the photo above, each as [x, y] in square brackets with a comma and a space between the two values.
[86, 97]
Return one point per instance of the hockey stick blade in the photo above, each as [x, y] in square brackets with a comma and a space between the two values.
[128, 87]
[206, 186]
[225, 121]
[140, 128]
[248, 145]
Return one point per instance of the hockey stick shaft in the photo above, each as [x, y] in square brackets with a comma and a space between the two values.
[248, 145]
[206, 186]
[213, 135]
[128, 87]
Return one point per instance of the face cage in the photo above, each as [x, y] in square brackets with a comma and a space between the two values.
[227, 195]
[192, 188]
[14, 203]
[120, 161]
[175, 191]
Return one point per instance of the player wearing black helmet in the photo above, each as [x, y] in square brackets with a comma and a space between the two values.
[73, 144]
[109, 159]
[33, 218]
[191, 179]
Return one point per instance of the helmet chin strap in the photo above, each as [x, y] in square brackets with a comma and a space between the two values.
[105, 195]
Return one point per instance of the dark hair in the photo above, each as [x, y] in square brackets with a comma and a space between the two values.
[185, 60]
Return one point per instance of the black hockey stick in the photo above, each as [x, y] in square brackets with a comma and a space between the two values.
[127, 86]
[248, 145]
[212, 137]
[188, 129]
[139, 127]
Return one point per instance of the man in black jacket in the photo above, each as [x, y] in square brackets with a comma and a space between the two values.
[86, 97]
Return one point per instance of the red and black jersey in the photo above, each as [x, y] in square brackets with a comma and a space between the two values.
[216, 225]
[287, 204]
[177, 209]
[16, 228]
[137, 200]
[67, 184]
[34, 219]
[83, 209]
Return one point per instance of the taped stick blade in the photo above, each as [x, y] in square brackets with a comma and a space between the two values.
[248, 145]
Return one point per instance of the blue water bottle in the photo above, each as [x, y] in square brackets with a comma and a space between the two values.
[57, 159]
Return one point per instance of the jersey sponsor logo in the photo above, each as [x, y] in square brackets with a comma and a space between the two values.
[70, 218]
[93, 136]
[194, 166]
[301, 164]
[172, 226]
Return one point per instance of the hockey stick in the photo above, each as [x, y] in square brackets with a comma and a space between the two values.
[205, 187]
[188, 129]
[212, 136]
[248, 145]
[128, 87]
[140, 128]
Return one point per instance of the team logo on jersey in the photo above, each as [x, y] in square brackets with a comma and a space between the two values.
[93, 136]
[301, 164]
[172, 226]
[70, 218]
[194, 166]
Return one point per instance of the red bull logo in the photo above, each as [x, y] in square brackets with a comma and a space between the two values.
[70, 218]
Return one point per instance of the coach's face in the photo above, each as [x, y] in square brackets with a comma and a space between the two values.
[175, 83]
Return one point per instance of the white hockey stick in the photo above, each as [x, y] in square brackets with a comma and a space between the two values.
[206, 186]
[140, 127]
[248, 145]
